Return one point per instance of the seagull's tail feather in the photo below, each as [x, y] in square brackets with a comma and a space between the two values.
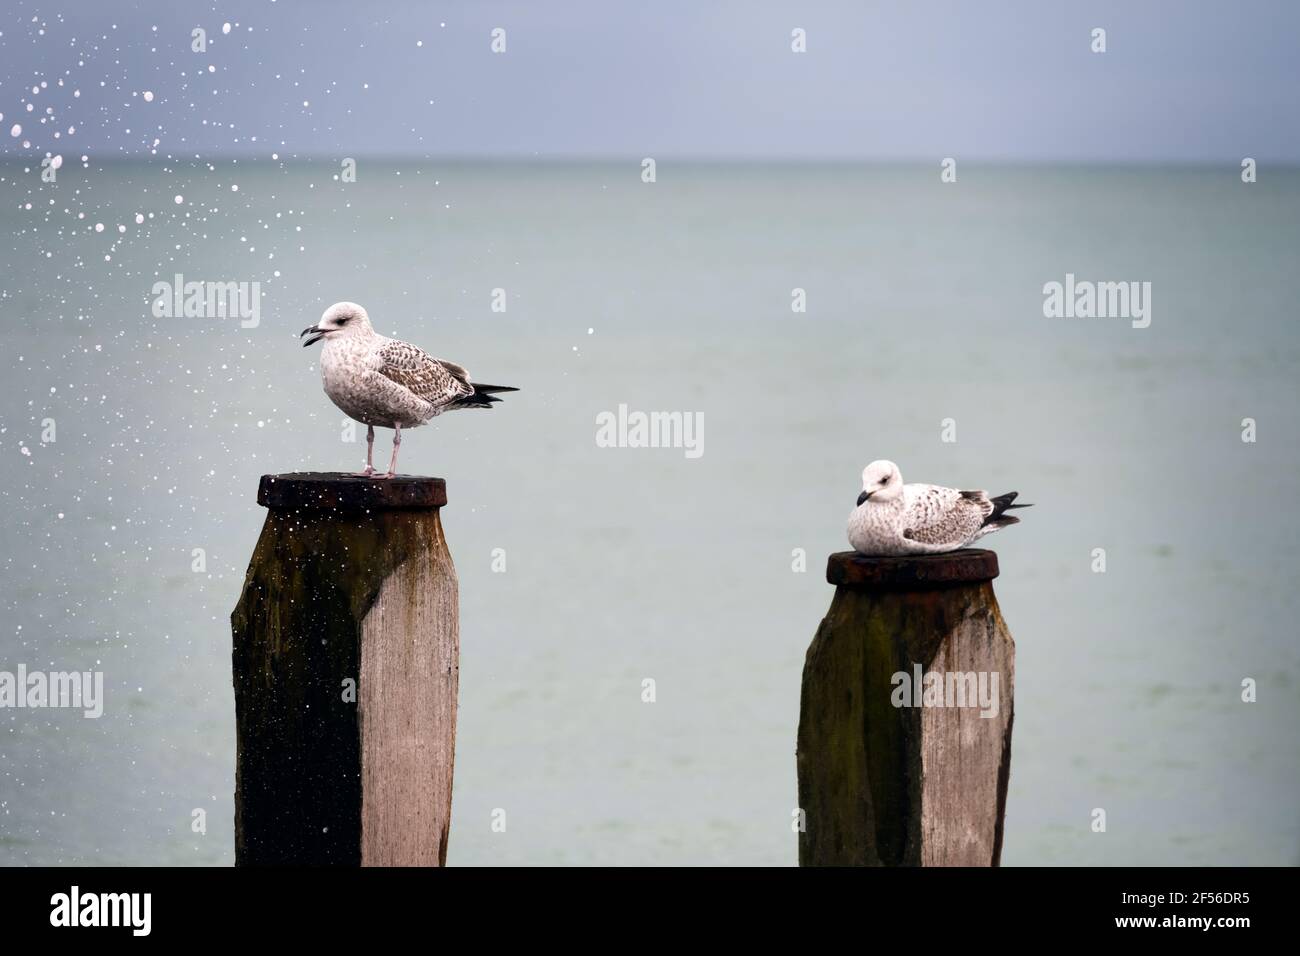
[483, 396]
[997, 524]
[1001, 504]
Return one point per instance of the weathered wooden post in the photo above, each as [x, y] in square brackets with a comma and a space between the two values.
[904, 746]
[346, 663]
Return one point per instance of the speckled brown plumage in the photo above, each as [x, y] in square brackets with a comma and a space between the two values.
[387, 383]
[892, 518]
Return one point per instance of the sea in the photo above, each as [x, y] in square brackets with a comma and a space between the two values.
[634, 620]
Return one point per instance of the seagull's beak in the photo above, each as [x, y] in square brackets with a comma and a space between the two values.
[863, 497]
[317, 335]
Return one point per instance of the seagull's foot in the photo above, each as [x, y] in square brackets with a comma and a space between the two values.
[364, 474]
[379, 475]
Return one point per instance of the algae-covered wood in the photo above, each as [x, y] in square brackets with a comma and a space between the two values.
[345, 669]
[883, 782]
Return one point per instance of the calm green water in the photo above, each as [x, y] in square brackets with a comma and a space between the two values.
[924, 303]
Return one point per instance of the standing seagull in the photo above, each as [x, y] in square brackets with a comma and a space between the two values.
[387, 382]
[892, 518]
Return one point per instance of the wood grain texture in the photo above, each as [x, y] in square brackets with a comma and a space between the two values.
[334, 595]
[966, 758]
[410, 653]
[903, 786]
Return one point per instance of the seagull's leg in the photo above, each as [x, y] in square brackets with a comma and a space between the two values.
[397, 443]
[370, 453]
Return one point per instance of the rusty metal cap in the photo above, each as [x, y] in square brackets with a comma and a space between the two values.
[335, 491]
[967, 566]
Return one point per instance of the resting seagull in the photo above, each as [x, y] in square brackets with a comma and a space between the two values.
[892, 518]
[387, 382]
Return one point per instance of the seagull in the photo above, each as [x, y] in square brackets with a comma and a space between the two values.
[892, 518]
[386, 382]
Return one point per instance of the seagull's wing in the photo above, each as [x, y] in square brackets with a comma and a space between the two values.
[459, 372]
[943, 517]
[432, 380]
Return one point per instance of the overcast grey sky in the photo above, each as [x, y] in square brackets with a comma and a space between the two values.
[1179, 81]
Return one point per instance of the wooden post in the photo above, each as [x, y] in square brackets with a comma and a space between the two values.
[882, 781]
[346, 663]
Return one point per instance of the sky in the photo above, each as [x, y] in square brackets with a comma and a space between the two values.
[1179, 82]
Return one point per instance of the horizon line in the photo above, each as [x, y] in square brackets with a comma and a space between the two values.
[606, 159]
